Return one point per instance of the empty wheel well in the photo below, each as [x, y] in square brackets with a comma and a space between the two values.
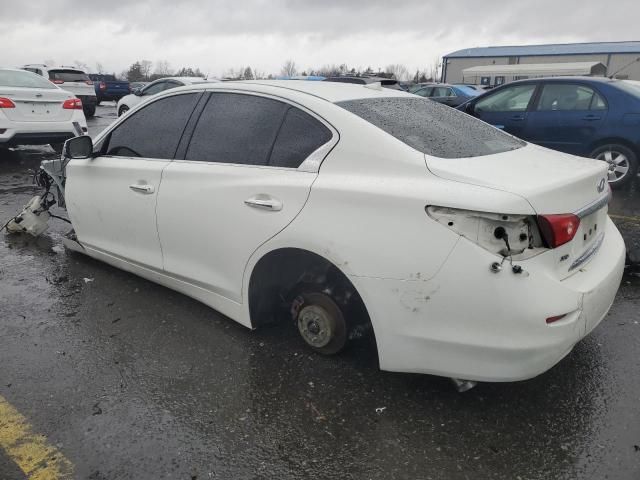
[282, 275]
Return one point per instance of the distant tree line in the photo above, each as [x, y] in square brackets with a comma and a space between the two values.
[141, 71]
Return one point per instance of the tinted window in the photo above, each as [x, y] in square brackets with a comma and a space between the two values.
[68, 75]
[509, 99]
[443, 92]
[155, 130]
[432, 128]
[299, 136]
[567, 97]
[236, 128]
[424, 92]
[16, 78]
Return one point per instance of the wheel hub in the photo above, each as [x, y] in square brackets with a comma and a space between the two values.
[618, 164]
[314, 324]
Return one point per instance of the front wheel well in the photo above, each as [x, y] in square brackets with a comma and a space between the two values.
[282, 275]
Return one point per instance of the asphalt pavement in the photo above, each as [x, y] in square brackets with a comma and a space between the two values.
[130, 380]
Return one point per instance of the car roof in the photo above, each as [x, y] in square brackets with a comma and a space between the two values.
[329, 91]
[566, 79]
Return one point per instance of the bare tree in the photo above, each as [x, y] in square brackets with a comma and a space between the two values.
[145, 68]
[81, 65]
[434, 68]
[398, 71]
[99, 68]
[163, 69]
[49, 61]
[248, 74]
[289, 68]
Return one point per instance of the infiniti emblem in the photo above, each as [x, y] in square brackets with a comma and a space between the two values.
[601, 185]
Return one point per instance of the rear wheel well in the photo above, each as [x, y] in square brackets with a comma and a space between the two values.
[615, 141]
[282, 275]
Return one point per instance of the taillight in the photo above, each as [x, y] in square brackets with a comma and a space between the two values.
[6, 103]
[558, 229]
[57, 82]
[72, 104]
[89, 82]
[103, 86]
[555, 318]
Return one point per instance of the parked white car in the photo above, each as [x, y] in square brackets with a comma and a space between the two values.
[128, 102]
[466, 252]
[34, 111]
[72, 80]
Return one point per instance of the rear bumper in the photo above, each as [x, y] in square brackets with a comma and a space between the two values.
[470, 323]
[40, 133]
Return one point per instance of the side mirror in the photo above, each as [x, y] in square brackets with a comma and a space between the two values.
[469, 108]
[78, 147]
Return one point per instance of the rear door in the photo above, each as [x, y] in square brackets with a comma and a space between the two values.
[507, 108]
[566, 117]
[111, 198]
[244, 176]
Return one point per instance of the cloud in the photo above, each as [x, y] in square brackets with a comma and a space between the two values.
[217, 35]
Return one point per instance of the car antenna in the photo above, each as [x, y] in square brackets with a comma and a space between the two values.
[625, 67]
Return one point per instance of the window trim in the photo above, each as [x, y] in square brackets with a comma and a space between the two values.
[311, 164]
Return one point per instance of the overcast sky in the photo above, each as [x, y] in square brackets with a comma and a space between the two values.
[217, 35]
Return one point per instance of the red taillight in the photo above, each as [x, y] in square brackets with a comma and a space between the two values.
[558, 229]
[6, 103]
[89, 82]
[72, 104]
[556, 318]
[103, 86]
[57, 82]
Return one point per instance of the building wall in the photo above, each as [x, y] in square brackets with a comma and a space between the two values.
[455, 66]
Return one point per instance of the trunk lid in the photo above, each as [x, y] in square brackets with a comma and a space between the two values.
[553, 183]
[36, 104]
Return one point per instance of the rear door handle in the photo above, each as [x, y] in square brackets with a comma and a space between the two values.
[591, 118]
[142, 188]
[264, 203]
[517, 118]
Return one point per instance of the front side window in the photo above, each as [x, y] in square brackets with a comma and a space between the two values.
[443, 92]
[155, 88]
[432, 128]
[153, 131]
[511, 99]
[236, 128]
[568, 97]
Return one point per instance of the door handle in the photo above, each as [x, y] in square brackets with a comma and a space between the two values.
[142, 188]
[517, 118]
[591, 118]
[264, 203]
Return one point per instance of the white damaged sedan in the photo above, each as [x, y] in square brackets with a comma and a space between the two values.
[465, 252]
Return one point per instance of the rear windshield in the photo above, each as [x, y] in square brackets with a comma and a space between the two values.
[431, 128]
[13, 78]
[630, 86]
[68, 75]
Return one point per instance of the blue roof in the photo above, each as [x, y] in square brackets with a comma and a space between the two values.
[551, 49]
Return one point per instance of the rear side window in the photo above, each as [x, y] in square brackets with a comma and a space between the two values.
[236, 128]
[568, 97]
[432, 128]
[68, 75]
[299, 136]
[154, 131]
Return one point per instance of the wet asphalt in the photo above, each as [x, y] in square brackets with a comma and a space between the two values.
[130, 380]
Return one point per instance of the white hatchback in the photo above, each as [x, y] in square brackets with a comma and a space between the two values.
[356, 209]
[34, 111]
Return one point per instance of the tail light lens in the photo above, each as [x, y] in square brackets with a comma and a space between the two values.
[6, 103]
[558, 229]
[103, 86]
[89, 82]
[72, 104]
[57, 82]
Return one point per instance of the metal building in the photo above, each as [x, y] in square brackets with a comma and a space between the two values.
[618, 59]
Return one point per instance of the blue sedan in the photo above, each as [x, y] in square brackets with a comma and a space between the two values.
[587, 116]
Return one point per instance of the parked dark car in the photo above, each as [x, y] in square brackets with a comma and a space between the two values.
[587, 116]
[108, 88]
[385, 82]
[452, 95]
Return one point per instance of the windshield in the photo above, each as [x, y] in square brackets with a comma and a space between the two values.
[68, 75]
[431, 128]
[20, 78]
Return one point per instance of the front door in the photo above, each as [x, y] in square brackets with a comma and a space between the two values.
[244, 177]
[506, 108]
[111, 198]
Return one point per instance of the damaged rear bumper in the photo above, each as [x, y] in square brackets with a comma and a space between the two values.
[470, 323]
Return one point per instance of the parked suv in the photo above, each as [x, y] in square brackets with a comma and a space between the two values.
[352, 211]
[586, 116]
[72, 80]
